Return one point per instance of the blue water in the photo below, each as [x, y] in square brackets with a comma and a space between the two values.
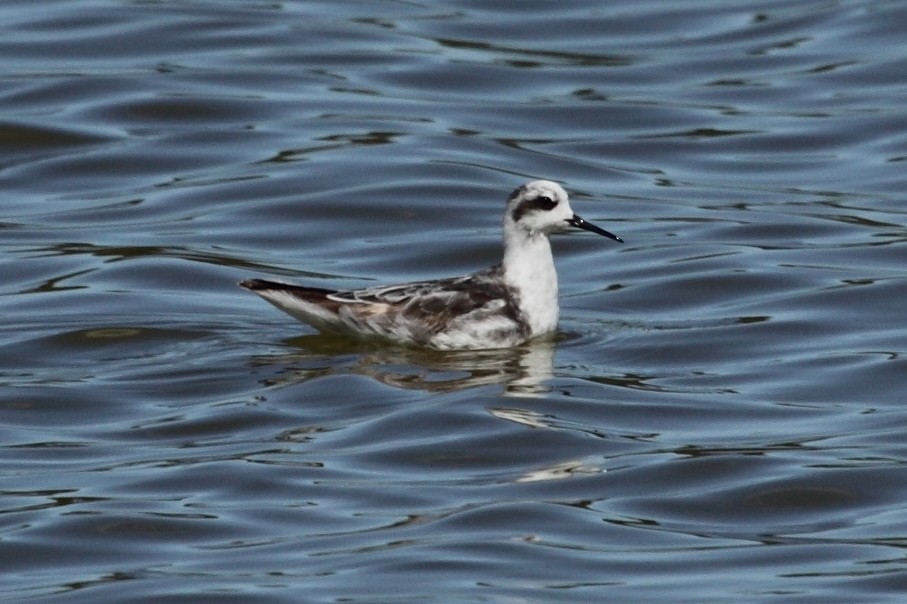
[719, 419]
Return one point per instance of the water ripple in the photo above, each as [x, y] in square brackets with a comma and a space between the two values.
[723, 398]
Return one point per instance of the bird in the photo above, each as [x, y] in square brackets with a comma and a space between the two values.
[502, 306]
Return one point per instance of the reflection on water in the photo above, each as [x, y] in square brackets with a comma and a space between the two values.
[567, 469]
[521, 371]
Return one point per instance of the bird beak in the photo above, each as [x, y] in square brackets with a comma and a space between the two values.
[588, 226]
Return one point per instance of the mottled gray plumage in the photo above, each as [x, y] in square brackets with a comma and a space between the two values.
[419, 310]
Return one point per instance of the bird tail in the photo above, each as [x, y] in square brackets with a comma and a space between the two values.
[309, 304]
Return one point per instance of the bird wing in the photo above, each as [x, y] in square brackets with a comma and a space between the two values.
[431, 305]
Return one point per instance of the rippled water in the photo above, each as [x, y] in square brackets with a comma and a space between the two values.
[720, 419]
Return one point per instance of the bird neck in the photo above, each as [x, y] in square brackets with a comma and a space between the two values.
[529, 268]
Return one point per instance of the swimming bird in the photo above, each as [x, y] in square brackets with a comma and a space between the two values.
[499, 307]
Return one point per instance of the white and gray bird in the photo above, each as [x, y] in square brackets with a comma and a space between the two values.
[499, 307]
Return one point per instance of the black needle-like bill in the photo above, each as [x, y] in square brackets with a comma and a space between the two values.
[588, 226]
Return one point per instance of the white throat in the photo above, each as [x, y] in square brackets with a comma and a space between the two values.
[529, 268]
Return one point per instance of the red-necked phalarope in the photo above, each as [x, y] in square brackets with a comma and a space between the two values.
[498, 307]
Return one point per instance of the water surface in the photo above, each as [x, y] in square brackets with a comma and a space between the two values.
[718, 420]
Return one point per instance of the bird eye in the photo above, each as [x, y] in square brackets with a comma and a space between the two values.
[544, 202]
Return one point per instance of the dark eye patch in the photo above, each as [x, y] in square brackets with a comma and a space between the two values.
[543, 202]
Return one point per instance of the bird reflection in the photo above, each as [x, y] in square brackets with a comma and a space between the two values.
[521, 370]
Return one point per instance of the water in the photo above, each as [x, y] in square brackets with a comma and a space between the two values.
[719, 420]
